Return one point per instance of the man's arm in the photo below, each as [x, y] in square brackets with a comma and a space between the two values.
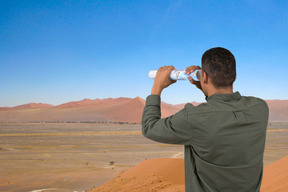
[174, 129]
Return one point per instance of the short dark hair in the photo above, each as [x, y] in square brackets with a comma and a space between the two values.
[220, 65]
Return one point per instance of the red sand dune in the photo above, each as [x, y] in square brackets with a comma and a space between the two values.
[120, 109]
[116, 110]
[33, 106]
[275, 176]
[163, 175]
[84, 102]
[167, 175]
[278, 110]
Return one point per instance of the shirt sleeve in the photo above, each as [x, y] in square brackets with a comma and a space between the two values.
[173, 129]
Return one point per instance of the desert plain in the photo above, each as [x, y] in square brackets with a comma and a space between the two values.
[68, 157]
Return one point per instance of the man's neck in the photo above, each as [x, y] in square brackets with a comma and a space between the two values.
[226, 90]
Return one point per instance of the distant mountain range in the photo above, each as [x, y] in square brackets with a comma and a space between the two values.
[120, 109]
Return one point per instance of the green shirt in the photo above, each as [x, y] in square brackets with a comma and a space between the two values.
[224, 140]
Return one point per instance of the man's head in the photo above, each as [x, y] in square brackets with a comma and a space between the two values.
[220, 66]
[218, 69]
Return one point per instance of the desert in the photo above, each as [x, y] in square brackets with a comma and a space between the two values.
[87, 144]
[71, 156]
[86, 156]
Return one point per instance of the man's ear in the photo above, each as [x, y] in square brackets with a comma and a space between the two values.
[205, 77]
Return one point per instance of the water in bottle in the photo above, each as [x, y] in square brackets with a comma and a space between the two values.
[178, 75]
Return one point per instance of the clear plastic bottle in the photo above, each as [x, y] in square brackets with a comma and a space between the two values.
[178, 74]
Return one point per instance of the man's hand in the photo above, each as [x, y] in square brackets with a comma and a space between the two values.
[162, 80]
[188, 71]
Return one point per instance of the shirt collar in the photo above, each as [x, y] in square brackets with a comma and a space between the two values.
[225, 96]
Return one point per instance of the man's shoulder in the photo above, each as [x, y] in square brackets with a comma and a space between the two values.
[252, 101]
[199, 108]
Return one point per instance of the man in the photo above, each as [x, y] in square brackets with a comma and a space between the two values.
[224, 138]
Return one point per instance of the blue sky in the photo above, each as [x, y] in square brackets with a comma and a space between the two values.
[60, 51]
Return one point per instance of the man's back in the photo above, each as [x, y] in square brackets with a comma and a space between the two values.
[228, 142]
[224, 140]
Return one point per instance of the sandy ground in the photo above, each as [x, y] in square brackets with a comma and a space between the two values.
[276, 176]
[71, 156]
[77, 156]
